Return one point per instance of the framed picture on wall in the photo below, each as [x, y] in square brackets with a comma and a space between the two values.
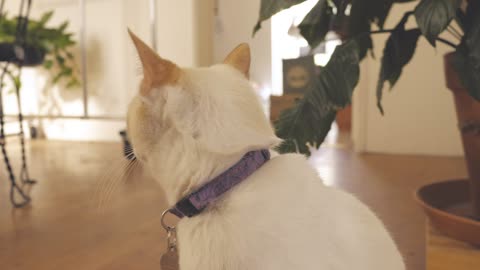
[298, 74]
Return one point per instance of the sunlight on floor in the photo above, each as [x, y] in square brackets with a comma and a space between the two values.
[320, 159]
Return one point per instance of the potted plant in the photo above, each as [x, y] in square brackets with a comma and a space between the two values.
[454, 206]
[37, 44]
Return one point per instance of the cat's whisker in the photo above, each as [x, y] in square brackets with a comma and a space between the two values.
[103, 180]
[107, 195]
[129, 155]
[115, 182]
[113, 175]
[104, 196]
[133, 167]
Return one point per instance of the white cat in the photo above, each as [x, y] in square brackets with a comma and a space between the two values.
[188, 125]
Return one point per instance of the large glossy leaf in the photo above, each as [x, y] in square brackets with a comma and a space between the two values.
[433, 17]
[398, 51]
[359, 19]
[335, 84]
[316, 24]
[365, 44]
[379, 10]
[466, 18]
[309, 121]
[268, 8]
[301, 125]
[467, 59]
[359, 25]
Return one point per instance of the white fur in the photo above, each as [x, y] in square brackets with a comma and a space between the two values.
[281, 218]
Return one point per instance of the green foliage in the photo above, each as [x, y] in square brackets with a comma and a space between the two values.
[310, 120]
[398, 51]
[433, 17]
[15, 79]
[315, 25]
[268, 8]
[467, 59]
[56, 43]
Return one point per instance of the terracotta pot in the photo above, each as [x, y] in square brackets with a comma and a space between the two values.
[448, 207]
[468, 112]
[344, 119]
[453, 207]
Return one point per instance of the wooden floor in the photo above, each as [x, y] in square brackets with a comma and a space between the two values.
[445, 253]
[64, 228]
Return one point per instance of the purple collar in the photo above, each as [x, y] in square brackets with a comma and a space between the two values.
[197, 201]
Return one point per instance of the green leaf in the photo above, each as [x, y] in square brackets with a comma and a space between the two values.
[60, 60]
[467, 18]
[57, 78]
[467, 60]
[63, 26]
[334, 86]
[301, 125]
[316, 24]
[72, 83]
[17, 82]
[461, 19]
[54, 41]
[398, 51]
[358, 22]
[365, 43]
[268, 8]
[433, 17]
[45, 17]
[358, 26]
[310, 119]
[69, 55]
[48, 64]
[378, 11]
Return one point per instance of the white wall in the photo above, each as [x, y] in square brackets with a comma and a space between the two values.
[234, 25]
[419, 112]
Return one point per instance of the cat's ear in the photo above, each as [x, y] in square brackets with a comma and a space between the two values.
[239, 58]
[156, 70]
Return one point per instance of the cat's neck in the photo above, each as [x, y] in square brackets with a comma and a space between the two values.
[181, 174]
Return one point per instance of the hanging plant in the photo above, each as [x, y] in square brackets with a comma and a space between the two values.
[49, 47]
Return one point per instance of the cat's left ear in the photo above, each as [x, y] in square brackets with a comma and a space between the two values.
[239, 58]
[156, 70]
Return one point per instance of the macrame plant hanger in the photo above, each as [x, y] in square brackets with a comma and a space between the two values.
[18, 194]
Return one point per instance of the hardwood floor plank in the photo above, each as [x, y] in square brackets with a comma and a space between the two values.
[63, 228]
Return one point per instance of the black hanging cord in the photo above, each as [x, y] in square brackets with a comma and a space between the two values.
[24, 175]
[22, 22]
[1, 7]
[19, 47]
[14, 187]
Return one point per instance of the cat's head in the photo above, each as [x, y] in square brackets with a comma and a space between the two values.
[211, 110]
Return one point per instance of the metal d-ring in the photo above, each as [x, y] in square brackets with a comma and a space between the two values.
[162, 221]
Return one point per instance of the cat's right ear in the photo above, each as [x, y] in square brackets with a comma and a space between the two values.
[239, 58]
[156, 70]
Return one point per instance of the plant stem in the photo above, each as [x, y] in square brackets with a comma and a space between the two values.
[384, 31]
[444, 41]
